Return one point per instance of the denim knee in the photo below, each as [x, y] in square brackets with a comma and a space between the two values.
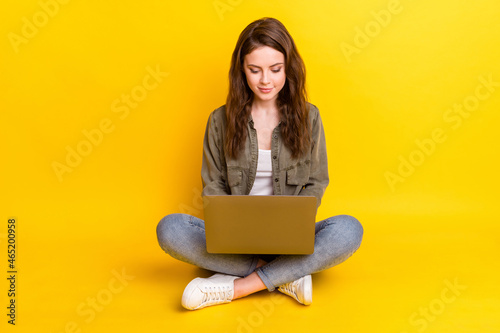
[352, 229]
[166, 231]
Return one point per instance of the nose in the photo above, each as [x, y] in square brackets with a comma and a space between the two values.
[264, 79]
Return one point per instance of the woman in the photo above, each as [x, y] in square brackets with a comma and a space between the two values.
[266, 140]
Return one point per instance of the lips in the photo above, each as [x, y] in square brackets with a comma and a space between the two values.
[266, 90]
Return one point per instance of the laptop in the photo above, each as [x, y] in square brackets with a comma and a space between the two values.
[260, 224]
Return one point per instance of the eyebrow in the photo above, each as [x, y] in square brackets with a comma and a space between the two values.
[278, 63]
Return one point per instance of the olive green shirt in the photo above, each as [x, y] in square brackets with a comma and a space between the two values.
[222, 175]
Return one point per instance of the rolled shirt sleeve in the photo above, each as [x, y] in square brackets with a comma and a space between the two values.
[318, 176]
[212, 169]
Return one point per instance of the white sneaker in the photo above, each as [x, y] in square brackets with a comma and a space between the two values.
[200, 293]
[300, 289]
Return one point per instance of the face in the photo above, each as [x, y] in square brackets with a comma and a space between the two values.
[264, 69]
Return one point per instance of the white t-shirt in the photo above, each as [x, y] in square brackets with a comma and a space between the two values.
[263, 184]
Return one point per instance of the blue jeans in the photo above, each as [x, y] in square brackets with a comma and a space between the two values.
[183, 237]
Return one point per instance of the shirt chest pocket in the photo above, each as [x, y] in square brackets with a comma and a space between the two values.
[234, 177]
[298, 174]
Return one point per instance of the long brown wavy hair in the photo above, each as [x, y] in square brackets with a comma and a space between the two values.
[291, 100]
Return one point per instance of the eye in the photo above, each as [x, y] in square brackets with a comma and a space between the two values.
[252, 71]
[276, 70]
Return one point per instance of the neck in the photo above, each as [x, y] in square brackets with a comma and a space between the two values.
[266, 107]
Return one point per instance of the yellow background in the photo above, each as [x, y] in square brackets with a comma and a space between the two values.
[77, 230]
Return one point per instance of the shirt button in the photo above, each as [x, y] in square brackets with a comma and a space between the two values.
[275, 136]
[274, 157]
[276, 179]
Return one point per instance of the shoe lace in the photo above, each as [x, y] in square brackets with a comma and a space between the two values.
[217, 294]
[290, 288]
